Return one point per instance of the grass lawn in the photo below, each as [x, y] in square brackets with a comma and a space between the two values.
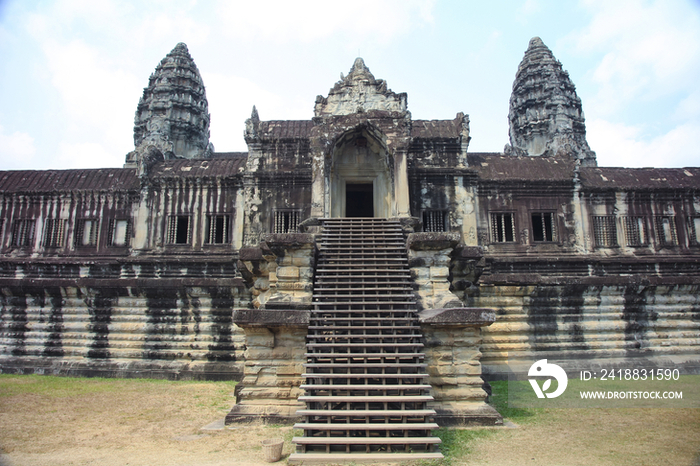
[48, 420]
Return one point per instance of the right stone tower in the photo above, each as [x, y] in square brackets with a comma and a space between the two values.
[545, 116]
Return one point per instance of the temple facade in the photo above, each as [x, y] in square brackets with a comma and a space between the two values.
[192, 263]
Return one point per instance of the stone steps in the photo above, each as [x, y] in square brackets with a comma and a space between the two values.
[365, 387]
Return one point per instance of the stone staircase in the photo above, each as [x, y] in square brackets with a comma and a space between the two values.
[365, 381]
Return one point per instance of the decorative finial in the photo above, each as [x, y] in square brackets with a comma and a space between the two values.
[535, 42]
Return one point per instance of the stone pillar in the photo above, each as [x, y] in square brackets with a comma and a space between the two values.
[429, 256]
[452, 339]
[403, 208]
[274, 364]
[280, 272]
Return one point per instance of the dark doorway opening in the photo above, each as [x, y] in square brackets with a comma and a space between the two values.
[359, 200]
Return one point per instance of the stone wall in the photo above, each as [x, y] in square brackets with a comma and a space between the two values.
[588, 323]
[120, 327]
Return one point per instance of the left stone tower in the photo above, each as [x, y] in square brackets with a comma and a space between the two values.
[172, 118]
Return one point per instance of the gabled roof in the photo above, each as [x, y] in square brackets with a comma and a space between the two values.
[285, 129]
[200, 168]
[640, 178]
[499, 167]
[443, 129]
[44, 181]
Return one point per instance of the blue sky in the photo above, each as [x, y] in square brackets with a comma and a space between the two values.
[72, 71]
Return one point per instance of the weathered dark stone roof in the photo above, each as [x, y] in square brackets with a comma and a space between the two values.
[442, 129]
[41, 181]
[640, 178]
[225, 155]
[285, 129]
[499, 167]
[299, 129]
[199, 168]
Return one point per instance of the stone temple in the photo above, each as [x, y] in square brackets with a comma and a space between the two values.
[356, 270]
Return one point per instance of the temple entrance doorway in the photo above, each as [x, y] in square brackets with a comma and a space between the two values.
[359, 200]
[360, 180]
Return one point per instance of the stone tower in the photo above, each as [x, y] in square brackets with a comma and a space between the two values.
[545, 117]
[172, 117]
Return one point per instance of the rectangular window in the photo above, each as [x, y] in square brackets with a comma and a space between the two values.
[694, 230]
[605, 231]
[53, 232]
[502, 228]
[86, 232]
[286, 221]
[434, 220]
[666, 231]
[543, 227]
[119, 232]
[217, 229]
[179, 229]
[635, 232]
[23, 233]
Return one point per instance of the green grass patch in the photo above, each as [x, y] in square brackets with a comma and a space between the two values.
[499, 400]
[65, 387]
[457, 443]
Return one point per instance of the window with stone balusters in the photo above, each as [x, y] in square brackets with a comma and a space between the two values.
[544, 227]
[217, 229]
[605, 231]
[694, 230]
[286, 221]
[54, 229]
[86, 231]
[119, 232]
[666, 234]
[23, 232]
[434, 221]
[502, 227]
[635, 231]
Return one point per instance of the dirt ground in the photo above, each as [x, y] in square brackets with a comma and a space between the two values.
[54, 421]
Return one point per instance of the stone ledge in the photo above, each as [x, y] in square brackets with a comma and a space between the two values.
[432, 241]
[280, 242]
[271, 318]
[458, 317]
[250, 254]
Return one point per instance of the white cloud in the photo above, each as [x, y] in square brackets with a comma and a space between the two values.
[231, 100]
[651, 50]
[86, 155]
[16, 150]
[617, 144]
[311, 20]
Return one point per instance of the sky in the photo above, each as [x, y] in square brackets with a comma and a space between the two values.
[72, 71]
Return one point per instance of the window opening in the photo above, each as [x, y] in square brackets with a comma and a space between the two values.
[86, 232]
[666, 231]
[605, 231]
[119, 232]
[217, 229]
[434, 220]
[53, 232]
[286, 221]
[694, 226]
[503, 227]
[23, 233]
[635, 232]
[543, 227]
[179, 229]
